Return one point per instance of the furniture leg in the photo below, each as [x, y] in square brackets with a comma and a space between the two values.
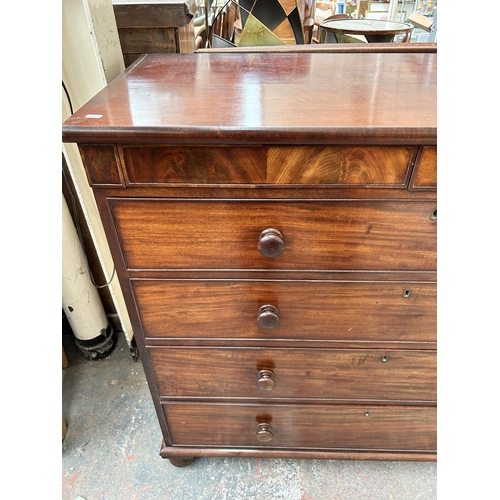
[180, 461]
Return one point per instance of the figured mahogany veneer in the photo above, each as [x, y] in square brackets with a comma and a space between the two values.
[102, 165]
[334, 165]
[425, 173]
[274, 234]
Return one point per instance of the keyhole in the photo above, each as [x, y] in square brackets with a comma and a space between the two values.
[406, 293]
[434, 214]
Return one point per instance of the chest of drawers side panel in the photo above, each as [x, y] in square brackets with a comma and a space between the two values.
[102, 199]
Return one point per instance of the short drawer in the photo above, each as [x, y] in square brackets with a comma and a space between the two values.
[310, 235]
[340, 374]
[307, 165]
[425, 172]
[309, 310]
[102, 164]
[362, 427]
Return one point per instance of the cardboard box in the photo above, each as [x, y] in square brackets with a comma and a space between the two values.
[420, 21]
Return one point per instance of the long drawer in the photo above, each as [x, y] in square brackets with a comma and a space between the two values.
[295, 426]
[341, 374]
[314, 310]
[311, 235]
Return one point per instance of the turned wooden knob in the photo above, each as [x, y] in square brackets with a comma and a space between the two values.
[264, 432]
[266, 380]
[268, 317]
[271, 243]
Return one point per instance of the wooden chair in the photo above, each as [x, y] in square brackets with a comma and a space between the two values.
[223, 25]
[324, 10]
[361, 8]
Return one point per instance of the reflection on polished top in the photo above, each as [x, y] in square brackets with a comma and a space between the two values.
[264, 98]
[367, 25]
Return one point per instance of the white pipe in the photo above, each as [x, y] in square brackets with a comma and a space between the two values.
[80, 299]
[393, 6]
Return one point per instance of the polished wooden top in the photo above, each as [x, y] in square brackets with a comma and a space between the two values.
[414, 47]
[265, 98]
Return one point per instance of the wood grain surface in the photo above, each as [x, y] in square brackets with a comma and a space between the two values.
[328, 235]
[375, 375]
[259, 98]
[272, 217]
[315, 426]
[357, 311]
[425, 172]
[356, 166]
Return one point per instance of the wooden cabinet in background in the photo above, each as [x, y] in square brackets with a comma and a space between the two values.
[162, 26]
[277, 250]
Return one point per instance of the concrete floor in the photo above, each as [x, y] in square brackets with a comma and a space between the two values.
[111, 451]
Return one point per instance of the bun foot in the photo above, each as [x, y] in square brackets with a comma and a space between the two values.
[180, 462]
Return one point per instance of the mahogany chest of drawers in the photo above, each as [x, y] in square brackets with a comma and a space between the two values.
[273, 223]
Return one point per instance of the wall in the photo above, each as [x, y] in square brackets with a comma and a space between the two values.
[91, 58]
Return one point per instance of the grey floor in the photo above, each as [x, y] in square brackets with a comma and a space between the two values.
[111, 451]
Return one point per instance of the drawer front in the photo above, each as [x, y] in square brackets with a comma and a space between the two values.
[219, 309]
[425, 174]
[315, 427]
[315, 235]
[337, 165]
[102, 165]
[342, 374]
